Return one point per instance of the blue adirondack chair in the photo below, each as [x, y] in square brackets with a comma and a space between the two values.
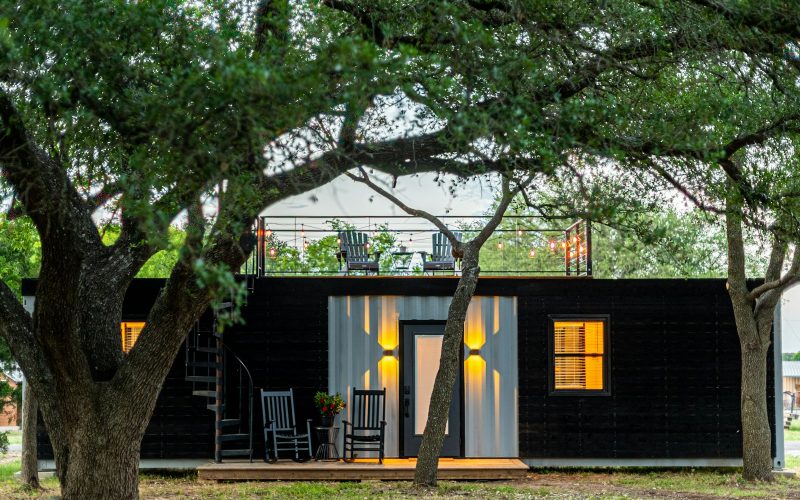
[354, 249]
[441, 257]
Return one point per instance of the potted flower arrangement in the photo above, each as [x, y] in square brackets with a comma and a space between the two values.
[329, 405]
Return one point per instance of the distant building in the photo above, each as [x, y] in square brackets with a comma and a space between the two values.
[791, 376]
[9, 415]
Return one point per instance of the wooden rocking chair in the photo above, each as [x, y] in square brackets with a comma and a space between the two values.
[280, 431]
[367, 432]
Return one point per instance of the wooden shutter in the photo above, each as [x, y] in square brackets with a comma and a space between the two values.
[130, 333]
[578, 355]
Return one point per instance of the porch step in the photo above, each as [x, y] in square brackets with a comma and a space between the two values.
[206, 394]
[233, 437]
[229, 422]
[200, 378]
[235, 453]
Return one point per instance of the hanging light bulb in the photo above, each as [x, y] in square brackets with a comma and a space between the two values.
[367, 245]
[273, 252]
[302, 231]
[269, 233]
[574, 239]
[564, 244]
[339, 241]
[500, 245]
[305, 244]
[519, 232]
[552, 245]
[532, 253]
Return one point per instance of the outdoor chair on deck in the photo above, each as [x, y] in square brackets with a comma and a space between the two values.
[354, 248]
[441, 258]
[367, 432]
[280, 431]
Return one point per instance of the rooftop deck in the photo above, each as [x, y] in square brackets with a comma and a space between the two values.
[397, 469]
[408, 246]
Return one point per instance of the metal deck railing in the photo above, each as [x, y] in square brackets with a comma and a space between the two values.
[521, 246]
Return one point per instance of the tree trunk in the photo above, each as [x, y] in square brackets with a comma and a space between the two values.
[102, 462]
[441, 397]
[753, 316]
[756, 434]
[30, 464]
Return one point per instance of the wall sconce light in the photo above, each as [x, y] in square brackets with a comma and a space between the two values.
[474, 352]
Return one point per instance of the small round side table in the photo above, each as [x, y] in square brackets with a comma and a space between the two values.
[327, 451]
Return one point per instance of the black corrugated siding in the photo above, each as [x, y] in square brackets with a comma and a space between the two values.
[674, 364]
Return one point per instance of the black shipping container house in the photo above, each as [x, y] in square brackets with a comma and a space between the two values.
[556, 371]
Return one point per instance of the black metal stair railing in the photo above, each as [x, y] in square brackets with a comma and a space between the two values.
[209, 363]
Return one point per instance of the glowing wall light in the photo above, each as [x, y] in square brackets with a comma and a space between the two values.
[388, 334]
[474, 333]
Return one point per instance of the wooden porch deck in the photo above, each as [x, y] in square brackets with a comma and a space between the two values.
[401, 469]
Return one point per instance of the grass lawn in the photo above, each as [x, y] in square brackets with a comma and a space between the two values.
[543, 483]
[15, 437]
[793, 432]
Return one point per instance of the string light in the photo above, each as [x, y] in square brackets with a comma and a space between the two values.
[269, 233]
[305, 244]
[273, 252]
[500, 245]
[519, 232]
[302, 231]
[339, 241]
[552, 245]
[532, 253]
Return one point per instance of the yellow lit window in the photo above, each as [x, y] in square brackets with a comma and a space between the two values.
[130, 332]
[579, 355]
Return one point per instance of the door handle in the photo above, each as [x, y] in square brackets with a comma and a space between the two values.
[407, 405]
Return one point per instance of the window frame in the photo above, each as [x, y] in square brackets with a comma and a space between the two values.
[551, 355]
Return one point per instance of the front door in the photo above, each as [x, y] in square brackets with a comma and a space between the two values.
[420, 352]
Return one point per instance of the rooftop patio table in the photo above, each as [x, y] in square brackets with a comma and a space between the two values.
[402, 263]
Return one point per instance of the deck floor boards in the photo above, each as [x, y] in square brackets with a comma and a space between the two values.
[363, 469]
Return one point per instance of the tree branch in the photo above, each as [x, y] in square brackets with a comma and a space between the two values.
[790, 277]
[364, 179]
[42, 186]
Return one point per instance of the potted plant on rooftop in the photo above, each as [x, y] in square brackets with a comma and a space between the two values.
[329, 405]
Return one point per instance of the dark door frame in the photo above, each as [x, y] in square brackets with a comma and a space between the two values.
[401, 354]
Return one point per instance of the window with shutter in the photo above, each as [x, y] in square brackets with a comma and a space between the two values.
[130, 333]
[579, 355]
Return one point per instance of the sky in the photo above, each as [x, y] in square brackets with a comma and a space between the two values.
[345, 197]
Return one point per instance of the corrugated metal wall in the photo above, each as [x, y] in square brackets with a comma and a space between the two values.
[360, 328]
